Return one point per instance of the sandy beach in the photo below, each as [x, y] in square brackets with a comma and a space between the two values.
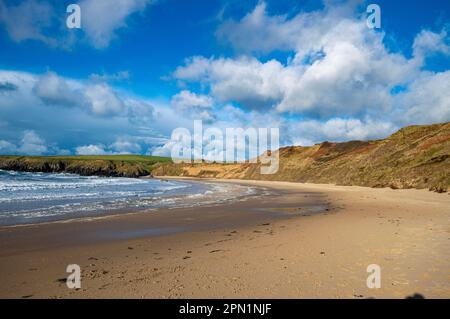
[298, 241]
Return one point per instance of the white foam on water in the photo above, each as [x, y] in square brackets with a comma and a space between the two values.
[42, 197]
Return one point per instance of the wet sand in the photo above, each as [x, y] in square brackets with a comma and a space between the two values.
[300, 241]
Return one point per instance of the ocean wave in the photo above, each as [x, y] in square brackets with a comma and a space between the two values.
[24, 181]
[41, 197]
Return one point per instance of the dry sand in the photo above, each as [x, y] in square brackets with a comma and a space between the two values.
[302, 241]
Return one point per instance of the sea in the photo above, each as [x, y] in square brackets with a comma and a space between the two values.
[31, 198]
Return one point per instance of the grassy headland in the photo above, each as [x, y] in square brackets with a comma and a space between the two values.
[100, 165]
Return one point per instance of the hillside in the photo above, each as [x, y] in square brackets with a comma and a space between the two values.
[104, 165]
[414, 157]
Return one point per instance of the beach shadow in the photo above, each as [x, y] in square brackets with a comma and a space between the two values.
[415, 296]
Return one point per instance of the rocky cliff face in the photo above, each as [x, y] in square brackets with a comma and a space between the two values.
[81, 167]
[414, 157]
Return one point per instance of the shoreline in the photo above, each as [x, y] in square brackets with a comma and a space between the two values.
[260, 248]
[123, 212]
[155, 222]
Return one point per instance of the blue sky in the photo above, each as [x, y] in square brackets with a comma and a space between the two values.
[137, 69]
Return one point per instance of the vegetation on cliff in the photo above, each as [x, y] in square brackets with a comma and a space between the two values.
[414, 157]
[104, 165]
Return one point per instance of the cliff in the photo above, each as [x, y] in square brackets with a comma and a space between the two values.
[414, 157]
[112, 165]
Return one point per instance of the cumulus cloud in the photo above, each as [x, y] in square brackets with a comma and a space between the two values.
[91, 150]
[244, 80]
[426, 101]
[340, 67]
[30, 144]
[310, 132]
[102, 18]
[353, 80]
[122, 145]
[341, 80]
[428, 42]
[76, 113]
[258, 31]
[196, 106]
[97, 98]
[103, 100]
[55, 90]
[140, 112]
[125, 145]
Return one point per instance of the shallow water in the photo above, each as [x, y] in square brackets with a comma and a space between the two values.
[42, 197]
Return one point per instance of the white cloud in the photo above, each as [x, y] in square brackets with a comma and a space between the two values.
[244, 80]
[309, 132]
[21, 81]
[122, 145]
[426, 101]
[140, 112]
[428, 42]
[125, 145]
[102, 18]
[164, 150]
[98, 98]
[100, 21]
[32, 144]
[339, 83]
[260, 32]
[339, 69]
[195, 106]
[186, 99]
[103, 100]
[55, 90]
[91, 150]
[98, 113]
[27, 20]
